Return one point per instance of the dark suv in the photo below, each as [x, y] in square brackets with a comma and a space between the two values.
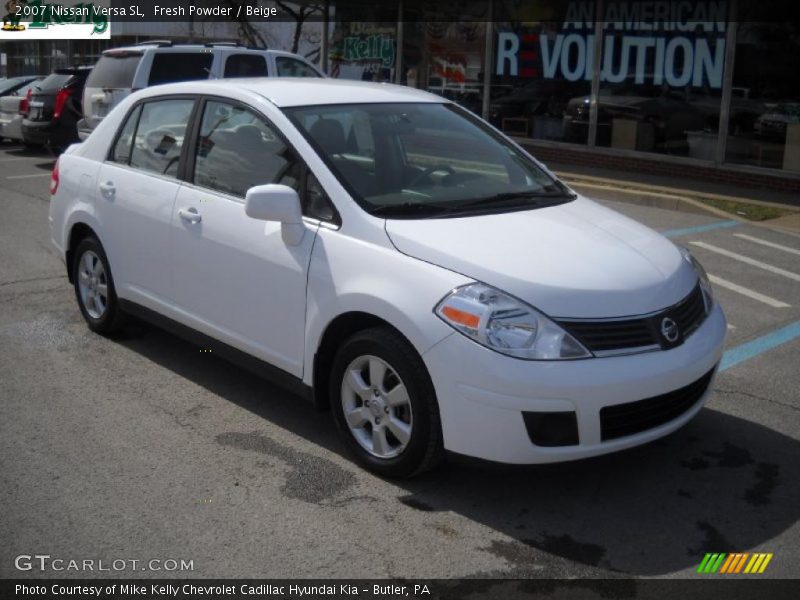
[54, 109]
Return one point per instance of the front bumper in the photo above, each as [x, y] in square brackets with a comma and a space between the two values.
[483, 394]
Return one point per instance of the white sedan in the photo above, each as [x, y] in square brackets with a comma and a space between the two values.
[393, 257]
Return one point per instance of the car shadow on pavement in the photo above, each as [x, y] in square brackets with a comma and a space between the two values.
[720, 484]
[24, 152]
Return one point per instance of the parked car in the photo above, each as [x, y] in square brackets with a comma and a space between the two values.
[772, 124]
[123, 70]
[54, 108]
[389, 255]
[13, 108]
[13, 85]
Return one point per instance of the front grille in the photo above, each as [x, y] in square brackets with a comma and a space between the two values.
[634, 417]
[619, 335]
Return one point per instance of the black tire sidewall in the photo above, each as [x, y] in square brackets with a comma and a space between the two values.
[109, 321]
[402, 357]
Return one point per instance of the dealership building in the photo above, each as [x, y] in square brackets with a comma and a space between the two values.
[701, 89]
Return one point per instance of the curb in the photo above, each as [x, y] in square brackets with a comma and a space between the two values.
[670, 191]
[673, 199]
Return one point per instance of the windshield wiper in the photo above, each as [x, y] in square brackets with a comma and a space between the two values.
[541, 197]
[409, 208]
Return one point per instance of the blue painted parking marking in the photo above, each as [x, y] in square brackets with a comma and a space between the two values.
[753, 348]
[700, 228]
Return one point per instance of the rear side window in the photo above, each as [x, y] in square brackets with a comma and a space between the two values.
[245, 65]
[122, 149]
[169, 67]
[238, 149]
[291, 67]
[114, 71]
[160, 136]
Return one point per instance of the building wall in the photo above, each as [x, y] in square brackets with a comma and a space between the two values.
[685, 87]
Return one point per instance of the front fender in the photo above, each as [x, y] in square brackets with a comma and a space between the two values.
[345, 276]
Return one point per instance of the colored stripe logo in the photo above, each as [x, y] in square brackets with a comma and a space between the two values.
[735, 563]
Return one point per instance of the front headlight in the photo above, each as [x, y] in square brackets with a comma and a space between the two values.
[507, 325]
[705, 282]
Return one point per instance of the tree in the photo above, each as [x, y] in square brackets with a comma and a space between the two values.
[300, 13]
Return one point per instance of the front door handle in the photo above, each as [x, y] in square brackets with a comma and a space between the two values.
[107, 189]
[190, 215]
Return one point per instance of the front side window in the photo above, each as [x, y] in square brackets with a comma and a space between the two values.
[171, 67]
[291, 67]
[424, 159]
[160, 136]
[237, 150]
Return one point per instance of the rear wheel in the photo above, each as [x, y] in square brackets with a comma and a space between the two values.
[384, 404]
[94, 287]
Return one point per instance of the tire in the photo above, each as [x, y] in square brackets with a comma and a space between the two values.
[94, 287]
[390, 433]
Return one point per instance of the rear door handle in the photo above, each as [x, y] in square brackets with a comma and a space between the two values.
[190, 214]
[107, 189]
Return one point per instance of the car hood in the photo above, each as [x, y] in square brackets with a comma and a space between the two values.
[577, 260]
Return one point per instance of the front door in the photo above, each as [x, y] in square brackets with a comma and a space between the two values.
[235, 278]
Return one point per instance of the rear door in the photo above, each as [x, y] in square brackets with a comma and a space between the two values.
[137, 187]
[110, 81]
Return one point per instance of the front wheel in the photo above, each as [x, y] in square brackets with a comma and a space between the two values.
[384, 404]
[94, 287]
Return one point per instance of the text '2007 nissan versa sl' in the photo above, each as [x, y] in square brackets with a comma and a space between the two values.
[390, 256]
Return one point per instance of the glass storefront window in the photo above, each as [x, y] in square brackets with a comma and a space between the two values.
[661, 82]
[444, 52]
[764, 123]
[539, 85]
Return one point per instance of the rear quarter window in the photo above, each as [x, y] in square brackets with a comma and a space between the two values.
[114, 71]
[170, 67]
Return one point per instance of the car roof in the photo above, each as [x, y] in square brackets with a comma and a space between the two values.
[302, 91]
[143, 47]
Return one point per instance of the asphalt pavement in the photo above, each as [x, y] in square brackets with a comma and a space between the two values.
[143, 448]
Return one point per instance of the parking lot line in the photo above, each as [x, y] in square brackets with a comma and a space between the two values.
[748, 260]
[700, 228]
[739, 289]
[753, 348]
[28, 176]
[756, 240]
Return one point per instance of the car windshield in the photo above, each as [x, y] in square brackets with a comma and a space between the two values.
[414, 160]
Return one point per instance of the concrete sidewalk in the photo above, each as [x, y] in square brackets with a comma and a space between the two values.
[686, 195]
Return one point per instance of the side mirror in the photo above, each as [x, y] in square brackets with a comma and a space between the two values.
[274, 202]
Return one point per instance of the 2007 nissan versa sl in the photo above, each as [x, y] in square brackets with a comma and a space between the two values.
[393, 257]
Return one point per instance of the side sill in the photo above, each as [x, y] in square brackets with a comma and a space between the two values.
[250, 363]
